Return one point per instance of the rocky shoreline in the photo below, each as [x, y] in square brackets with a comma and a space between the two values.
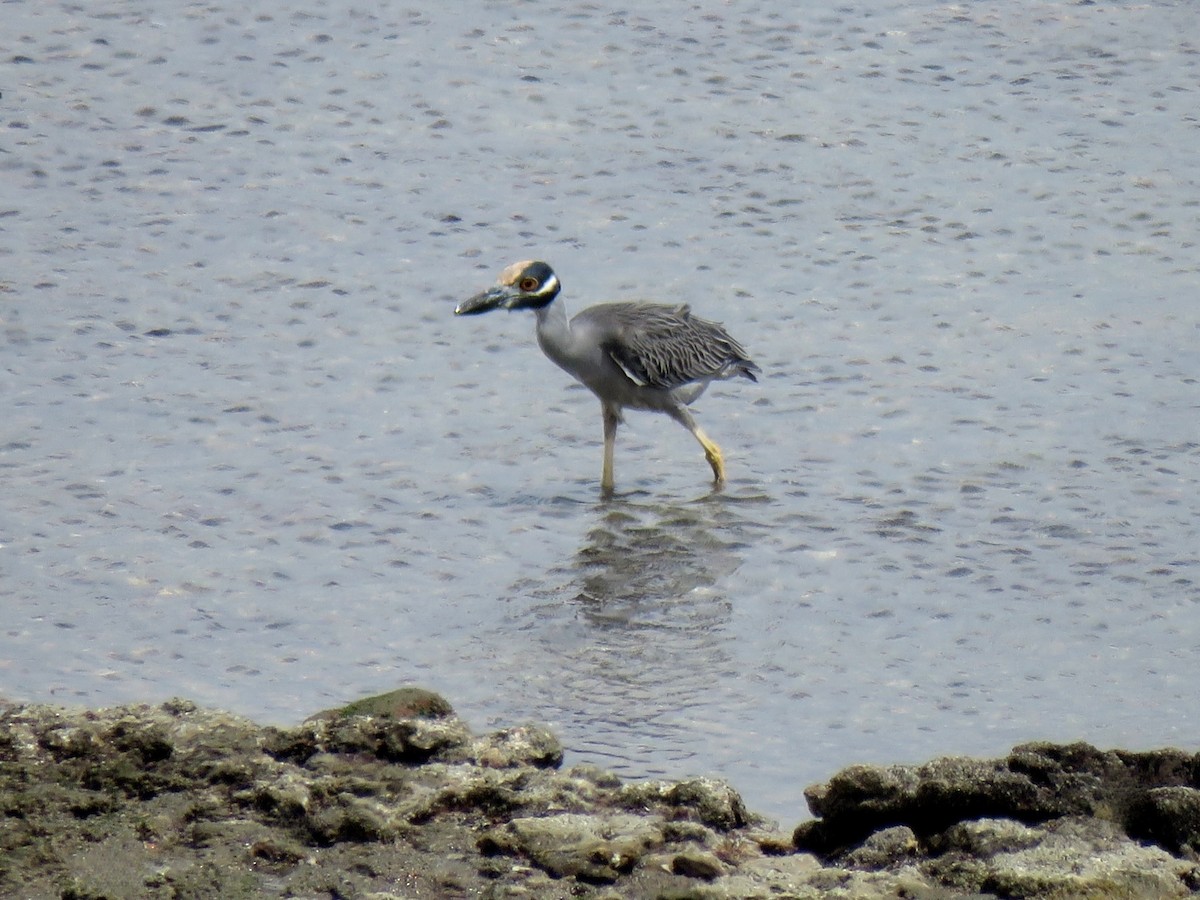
[394, 797]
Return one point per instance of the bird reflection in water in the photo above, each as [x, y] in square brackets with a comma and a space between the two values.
[655, 566]
[643, 647]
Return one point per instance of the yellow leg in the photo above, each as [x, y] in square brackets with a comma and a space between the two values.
[711, 451]
[713, 454]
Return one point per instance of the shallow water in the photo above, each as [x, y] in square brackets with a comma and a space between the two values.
[251, 457]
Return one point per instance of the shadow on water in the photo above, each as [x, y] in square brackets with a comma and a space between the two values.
[638, 625]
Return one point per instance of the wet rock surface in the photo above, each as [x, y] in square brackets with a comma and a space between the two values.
[395, 797]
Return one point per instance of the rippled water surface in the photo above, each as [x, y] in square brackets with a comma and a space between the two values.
[250, 457]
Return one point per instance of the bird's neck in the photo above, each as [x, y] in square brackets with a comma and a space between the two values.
[554, 331]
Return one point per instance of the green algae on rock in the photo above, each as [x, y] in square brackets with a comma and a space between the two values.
[381, 800]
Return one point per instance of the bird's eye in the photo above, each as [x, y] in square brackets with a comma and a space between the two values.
[528, 284]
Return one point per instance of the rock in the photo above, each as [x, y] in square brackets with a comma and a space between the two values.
[1035, 783]
[1170, 817]
[384, 737]
[176, 800]
[1072, 857]
[984, 838]
[403, 703]
[705, 800]
[528, 745]
[694, 864]
[272, 850]
[593, 848]
[350, 819]
[927, 799]
[884, 849]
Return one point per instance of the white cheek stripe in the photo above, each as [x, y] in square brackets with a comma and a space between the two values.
[549, 287]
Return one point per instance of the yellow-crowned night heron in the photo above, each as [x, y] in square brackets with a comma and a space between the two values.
[637, 355]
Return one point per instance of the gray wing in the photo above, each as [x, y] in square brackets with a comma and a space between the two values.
[667, 347]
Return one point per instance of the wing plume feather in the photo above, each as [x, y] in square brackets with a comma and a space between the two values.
[663, 346]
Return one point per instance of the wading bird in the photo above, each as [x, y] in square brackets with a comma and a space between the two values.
[638, 355]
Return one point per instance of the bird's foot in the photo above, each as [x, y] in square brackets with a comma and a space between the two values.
[713, 455]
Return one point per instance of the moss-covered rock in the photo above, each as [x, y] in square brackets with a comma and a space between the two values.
[395, 797]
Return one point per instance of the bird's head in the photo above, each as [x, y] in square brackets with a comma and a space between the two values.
[523, 285]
